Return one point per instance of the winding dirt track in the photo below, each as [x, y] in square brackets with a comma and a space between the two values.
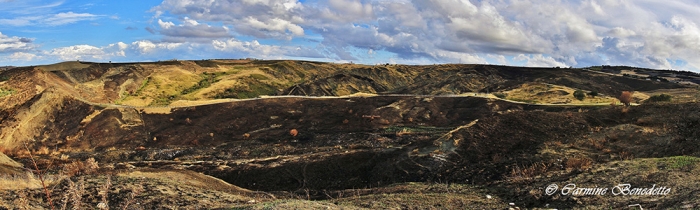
[220, 101]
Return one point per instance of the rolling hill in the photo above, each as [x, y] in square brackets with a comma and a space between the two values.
[298, 134]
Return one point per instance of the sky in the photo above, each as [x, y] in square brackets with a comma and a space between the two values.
[661, 34]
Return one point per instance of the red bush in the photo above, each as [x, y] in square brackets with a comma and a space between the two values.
[625, 97]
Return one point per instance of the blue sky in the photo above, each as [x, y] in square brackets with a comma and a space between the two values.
[644, 33]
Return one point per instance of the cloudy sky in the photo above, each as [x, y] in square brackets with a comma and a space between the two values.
[647, 33]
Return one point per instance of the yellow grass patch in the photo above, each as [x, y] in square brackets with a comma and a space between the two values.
[26, 181]
[553, 94]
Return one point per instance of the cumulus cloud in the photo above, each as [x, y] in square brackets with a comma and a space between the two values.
[278, 19]
[15, 44]
[253, 47]
[78, 52]
[647, 33]
[191, 30]
[148, 47]
[539, 60]
[88, 52]
[539, 33]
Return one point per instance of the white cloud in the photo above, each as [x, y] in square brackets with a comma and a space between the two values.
[165, 25]
[67, 18]
[259, 18]
[539, 60]
[15, 44]
[647, 33]
[20, 21]
[148, 47]
[252, 47]
[191, 31]
[78, 52]
[23, 56]
[58, 19]
[89, 52]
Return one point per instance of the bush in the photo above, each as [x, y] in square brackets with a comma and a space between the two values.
[500, 95]
[593, 93]
[625, 98]
[580, 95]
[662, 97]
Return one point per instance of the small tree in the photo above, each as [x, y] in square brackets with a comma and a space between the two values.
[625, 98]
[580, 95]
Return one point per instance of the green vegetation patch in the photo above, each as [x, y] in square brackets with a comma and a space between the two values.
[4, 92]
[660, 98]
[206, 81]
[259, 77]
[163, 100]
[144, 83]
[501, 95]
[254, 89]
[683, 161]
[680, 162]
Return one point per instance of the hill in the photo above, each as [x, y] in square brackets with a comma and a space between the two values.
[301, 134]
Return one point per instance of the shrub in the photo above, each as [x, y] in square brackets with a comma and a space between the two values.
[89, 166]
[73, 169]
[500, 95]
[662, 97]
[580, 95]
[593, 93]
[625, 98]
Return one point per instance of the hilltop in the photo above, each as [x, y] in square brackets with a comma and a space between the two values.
[302, 134]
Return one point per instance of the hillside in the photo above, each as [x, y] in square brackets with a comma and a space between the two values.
[299, 134]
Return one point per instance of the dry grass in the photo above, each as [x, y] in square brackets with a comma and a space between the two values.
[597, 144]
[402, 132]
[547, 93]
[104, 194]
[89, 166]
[525, 173]
[579, 163]
[41, 178]
[136, 191]
[27, 181]
[624, 155]
[23, 201]
[75, 194]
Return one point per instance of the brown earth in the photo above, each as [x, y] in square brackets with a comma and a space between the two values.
[156, 130]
